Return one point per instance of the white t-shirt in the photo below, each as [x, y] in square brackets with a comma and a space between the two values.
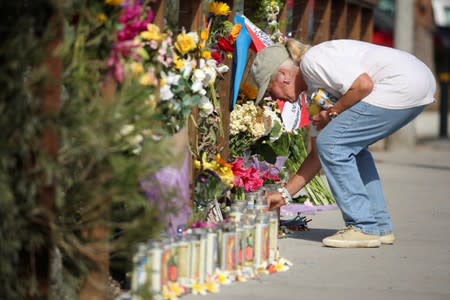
[400, 79]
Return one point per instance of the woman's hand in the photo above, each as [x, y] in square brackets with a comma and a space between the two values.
[321, 119]
[274, 200]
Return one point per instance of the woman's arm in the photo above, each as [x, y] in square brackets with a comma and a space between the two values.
[309, 168]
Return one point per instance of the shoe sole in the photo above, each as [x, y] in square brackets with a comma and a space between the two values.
[352, 244]
[387, 239]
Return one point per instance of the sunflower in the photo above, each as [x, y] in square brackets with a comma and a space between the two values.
[114, 2]
[219, 8]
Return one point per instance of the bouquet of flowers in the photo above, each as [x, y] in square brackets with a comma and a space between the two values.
[174, 71]
[250, 123]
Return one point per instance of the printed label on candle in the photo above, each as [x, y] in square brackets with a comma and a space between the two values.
[195, 260]
[265, 243]
[211, 253]
[183, 260]
[249, 244]
[228, 251]
[165, 266]
[273, 228]
[241, 246]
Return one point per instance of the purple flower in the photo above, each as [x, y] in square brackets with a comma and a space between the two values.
[168, 190]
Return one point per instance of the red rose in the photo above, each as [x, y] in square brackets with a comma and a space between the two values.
[216, 55]
[225, 45]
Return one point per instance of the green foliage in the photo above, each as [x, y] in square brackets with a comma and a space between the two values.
[294, 146]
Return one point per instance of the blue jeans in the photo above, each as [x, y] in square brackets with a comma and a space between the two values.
[350, 168]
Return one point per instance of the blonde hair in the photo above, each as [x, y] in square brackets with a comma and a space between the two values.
[296, 49]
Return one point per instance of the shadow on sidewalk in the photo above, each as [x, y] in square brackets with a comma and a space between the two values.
[314, 234]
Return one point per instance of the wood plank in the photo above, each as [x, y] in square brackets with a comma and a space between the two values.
[338, 22]
[224, 92]
[301, 15]
[367, 20]
[285, 17]
[190, 14]
[159, 7]
[322, 18]
[354, 22]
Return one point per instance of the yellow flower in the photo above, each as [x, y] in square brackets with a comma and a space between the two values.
[147, 79]
[223, 278]
[151, 101]
[176, 288]
[279, 267]
[198, 288]
[114, 2]
[136, 68]
[234, 32]
[204, 34]
[206, 54]
[249, 91]
[219, 8]
[184, 43]
[168, 294]
[177, 62]
[101, 17]
[153, 33]
[212, 286]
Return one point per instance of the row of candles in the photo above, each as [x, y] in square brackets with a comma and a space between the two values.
[245, 243]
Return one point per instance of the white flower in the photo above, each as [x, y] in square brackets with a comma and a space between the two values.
[165, 93]
[170, 78]
[211, 63]
[137, 139]
[126, 129]
[187, 68]
[205, 106]
[137, 150]
[194, 36]
[197, 87]
[223, 69]
[210, 75]
[199, 75]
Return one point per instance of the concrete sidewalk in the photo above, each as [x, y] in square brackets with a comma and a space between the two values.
[417, 189]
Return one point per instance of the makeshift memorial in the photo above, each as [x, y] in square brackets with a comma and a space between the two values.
[209, 255]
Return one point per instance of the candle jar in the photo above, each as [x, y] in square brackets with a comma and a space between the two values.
[211, 252]
[273, 235]
[165, 259]
[228, 251]
[241, 204]
[240, 240]
[249, 242]
[201, 254]
[250, 198]
[140, 274]
[172, 266]
[195, 257]
[219, 231]
[153, 266]
[261, 204]
[184, 260]
[271, 187]
[235, 214]
[261, 241]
